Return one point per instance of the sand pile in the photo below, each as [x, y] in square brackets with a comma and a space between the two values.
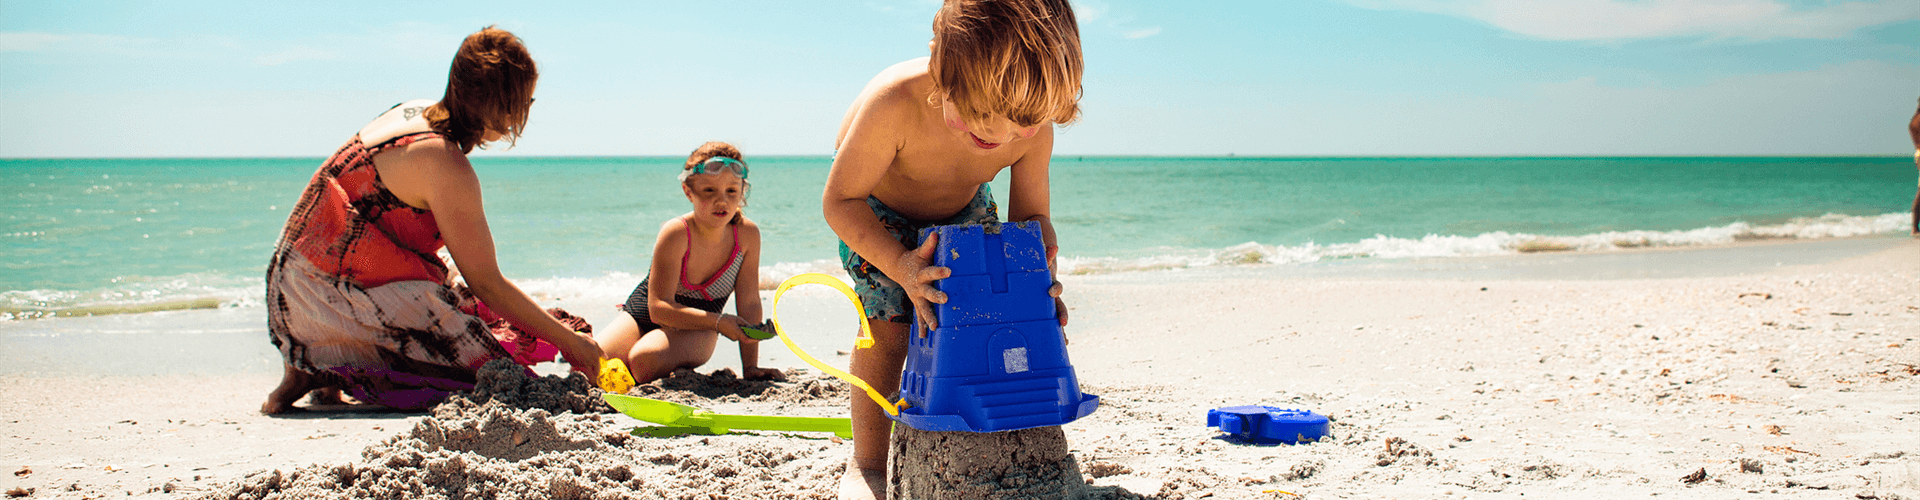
[522, 437]
[501, 380]
[1026, 463]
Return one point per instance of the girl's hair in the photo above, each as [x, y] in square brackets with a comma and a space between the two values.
[709, 150]
[717, 148]
[490, 87]
[1015, 58]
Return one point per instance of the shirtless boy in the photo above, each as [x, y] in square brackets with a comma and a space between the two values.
[917, 149]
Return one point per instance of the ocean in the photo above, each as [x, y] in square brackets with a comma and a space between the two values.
[95, 247]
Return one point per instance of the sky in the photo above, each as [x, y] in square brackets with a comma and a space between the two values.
[215, 78]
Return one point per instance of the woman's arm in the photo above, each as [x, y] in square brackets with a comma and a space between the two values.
[443, 180]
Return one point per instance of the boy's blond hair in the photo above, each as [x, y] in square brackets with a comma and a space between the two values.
[1016, 58]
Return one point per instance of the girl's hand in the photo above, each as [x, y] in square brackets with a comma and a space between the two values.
[729, 326]
[916, 266]
[758, 373]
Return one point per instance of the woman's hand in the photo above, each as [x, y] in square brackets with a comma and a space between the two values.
[917, 268]
[583, 353]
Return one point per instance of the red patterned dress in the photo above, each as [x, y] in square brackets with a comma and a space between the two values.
[358, 295]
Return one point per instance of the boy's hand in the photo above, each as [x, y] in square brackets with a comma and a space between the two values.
[916, 266]
[1059, 306]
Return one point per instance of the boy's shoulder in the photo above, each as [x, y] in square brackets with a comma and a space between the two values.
[902, 84]
[892, 101]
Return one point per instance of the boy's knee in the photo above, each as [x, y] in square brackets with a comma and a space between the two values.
[889, 337]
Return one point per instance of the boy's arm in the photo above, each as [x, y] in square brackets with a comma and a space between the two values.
[1031, 199]
[864, 156]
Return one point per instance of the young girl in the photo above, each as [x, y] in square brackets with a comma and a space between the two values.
[699, 259]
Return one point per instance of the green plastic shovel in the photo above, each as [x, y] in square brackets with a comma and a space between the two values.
[762, 331]
[683, 419]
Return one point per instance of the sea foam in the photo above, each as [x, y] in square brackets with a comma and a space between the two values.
[1493, 243]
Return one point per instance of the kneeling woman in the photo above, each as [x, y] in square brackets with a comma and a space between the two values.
[358, 298]
[672, 321]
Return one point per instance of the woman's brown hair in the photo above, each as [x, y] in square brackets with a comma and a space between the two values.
[490, 87]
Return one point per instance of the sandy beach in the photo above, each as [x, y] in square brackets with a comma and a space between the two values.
[1775, 370]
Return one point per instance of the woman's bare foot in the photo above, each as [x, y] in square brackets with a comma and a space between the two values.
[863, 484]
[293, 385]
[329, 396]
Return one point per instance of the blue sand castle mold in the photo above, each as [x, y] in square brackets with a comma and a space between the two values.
[1268, 425]
[998, 359]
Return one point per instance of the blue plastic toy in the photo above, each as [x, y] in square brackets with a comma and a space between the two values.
[1268, 425]
[998, 359]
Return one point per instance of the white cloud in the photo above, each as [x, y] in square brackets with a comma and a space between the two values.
[1142, 33]
[1090, 10]
[1633, 19]
[82, 43]
[28, 42]
[295, 54]
[1852, 108]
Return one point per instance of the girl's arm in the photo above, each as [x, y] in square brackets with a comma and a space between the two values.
[664, 280]
[1031, 200]
[746, 291]
[443, 181]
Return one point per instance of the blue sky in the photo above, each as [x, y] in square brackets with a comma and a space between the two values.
[1296, 77]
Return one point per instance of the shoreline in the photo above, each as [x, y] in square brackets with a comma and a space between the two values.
[1560, 387]
[232, 340]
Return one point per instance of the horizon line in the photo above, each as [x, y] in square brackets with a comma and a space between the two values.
[1056, 156]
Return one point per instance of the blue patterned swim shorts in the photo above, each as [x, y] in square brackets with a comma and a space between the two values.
[880, 295]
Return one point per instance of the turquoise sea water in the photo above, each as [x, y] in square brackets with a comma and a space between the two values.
[117, 234]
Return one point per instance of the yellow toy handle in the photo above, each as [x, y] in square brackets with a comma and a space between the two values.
[864, 341]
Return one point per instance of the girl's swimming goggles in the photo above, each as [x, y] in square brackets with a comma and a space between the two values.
[716, 165]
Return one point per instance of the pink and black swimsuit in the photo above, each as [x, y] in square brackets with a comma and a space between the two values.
[710, 296]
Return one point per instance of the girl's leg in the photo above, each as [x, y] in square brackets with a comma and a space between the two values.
[662, 351]
[617, 339]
